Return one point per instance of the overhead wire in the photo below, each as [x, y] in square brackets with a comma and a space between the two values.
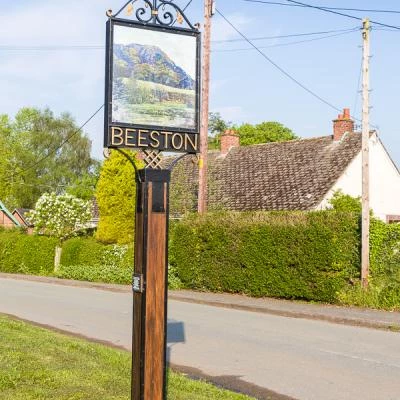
[53, 151]
[358, 89]
[331, 12]
[281, 36]
[279, 68]
[286, 44]
[96, 47]
[328, 8]
[49, 48]
[273, 63]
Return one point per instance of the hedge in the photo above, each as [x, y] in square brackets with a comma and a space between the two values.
[34, 254]
[293, 255]
[21, 253]
[88, 251]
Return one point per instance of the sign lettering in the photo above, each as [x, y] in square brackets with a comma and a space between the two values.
[158, 140]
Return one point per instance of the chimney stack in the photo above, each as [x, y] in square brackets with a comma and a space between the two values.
[342, 125]
[229, 139]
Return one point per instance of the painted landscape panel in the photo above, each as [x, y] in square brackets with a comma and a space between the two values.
[154, 78]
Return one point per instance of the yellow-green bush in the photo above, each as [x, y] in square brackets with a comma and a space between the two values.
[116, 195]
[25, 254]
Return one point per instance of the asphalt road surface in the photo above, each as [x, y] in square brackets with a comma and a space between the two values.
[303, 359]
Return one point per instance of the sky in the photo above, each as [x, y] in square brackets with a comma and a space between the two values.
[245, 87]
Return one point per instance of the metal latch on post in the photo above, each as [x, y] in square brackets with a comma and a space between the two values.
[137, 283]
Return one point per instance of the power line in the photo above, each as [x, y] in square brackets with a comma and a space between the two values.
[277, 66]
[97, 47]
[58, 147]
[48, 48]
[328, 8]
[358, 89]
[282, 36]
[329, 11]
[287, 44]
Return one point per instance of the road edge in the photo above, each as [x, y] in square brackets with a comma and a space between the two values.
[178, 296]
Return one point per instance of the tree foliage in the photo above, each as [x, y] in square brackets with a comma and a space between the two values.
[263, 133]
[60, 216]
[116, 195]
[249, 134]
[345, 203]
[35, 160]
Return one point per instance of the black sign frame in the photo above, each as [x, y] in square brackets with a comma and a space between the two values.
[140, 136]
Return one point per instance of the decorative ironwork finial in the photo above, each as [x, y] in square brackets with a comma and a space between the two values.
[156, 12]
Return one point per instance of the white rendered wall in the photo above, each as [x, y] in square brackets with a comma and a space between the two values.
[384, 182]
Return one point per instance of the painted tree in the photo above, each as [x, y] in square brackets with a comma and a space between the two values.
[116, 196]
[61, 217]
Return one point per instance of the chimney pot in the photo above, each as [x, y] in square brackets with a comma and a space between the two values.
[342, 125]
[229, 139]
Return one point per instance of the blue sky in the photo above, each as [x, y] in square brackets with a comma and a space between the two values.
[244, 86]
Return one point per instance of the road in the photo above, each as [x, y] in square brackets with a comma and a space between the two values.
[303, 359]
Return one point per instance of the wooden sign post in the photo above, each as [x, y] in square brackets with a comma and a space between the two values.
[150, 286]
[151, 105]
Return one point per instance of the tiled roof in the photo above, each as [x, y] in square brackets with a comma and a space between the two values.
[292, 175]
[23, 214]
[9, 215]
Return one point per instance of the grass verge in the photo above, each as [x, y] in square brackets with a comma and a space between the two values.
[36, 363]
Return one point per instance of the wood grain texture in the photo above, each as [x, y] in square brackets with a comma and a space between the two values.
[155, 304]
[149, 307]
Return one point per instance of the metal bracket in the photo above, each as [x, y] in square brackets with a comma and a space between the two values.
[155, 12]
[137, 283]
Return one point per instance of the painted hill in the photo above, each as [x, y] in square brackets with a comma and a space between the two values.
[149, 63]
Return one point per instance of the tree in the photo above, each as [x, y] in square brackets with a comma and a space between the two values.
[116, 195]
[61, 217]
[263, 133]
[345, 203]
[5, 158]
[249, 134]
[84, 186]
[216, 126]
[44, 154]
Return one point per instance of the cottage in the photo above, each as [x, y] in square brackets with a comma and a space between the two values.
[295, 175]
[20, 214]
[7, 219]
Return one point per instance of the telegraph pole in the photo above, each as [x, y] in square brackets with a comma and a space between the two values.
[202, 198]
[365, 157]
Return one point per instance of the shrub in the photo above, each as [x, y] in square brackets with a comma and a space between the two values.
[88, 251]
[95, 273]
[21, 253]
[115, 195]
[299, 255]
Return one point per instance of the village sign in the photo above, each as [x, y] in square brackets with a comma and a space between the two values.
[151, 105]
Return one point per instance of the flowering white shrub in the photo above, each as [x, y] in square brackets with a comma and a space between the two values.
[60, 216]
[113, 255]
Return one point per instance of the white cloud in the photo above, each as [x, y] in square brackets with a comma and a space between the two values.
[235, 114]
[221, 30]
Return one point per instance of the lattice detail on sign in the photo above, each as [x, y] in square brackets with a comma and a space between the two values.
[152, 159]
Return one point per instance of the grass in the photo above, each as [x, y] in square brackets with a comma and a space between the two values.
[36, 363]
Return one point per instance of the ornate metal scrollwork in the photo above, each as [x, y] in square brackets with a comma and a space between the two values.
[157, 12]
